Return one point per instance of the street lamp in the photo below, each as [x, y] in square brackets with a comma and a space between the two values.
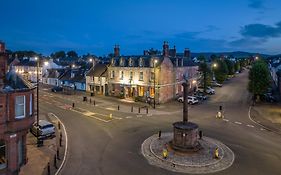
[92, 61]
[37, 96]
[214, 65]
[73, 66]
[154, 66]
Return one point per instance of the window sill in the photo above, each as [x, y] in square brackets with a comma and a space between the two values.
[19, 117]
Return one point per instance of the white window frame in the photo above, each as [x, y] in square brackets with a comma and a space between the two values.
[24, 103]
[141, 76]
[31, 104]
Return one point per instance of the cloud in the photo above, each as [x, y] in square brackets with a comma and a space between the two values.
[261, 30]
[256, 4]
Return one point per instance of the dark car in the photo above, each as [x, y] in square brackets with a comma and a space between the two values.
[268, 98]
[57, 89]
[200, 95]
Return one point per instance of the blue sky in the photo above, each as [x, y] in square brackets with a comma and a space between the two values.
[92, 26]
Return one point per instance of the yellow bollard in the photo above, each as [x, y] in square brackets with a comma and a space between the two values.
[216, 153]
[165, 153]
[110, 116]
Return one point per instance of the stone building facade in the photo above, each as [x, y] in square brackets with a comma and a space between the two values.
[150, 76]
[16, 117]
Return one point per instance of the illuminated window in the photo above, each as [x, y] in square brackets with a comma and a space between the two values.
[20, 107]
[141, 91]
[141, 76]
[141, 62]
[151, 90]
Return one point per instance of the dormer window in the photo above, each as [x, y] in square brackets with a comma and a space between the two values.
[121, 62]
[141, 62]
[131, 62]
[113, 61]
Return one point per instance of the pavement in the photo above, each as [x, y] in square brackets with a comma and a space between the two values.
[39, 157]
[102, 146]
[268, 115]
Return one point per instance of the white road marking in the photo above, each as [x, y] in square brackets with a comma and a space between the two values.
[251, 126]
[129, 117]
[112, 109]
[262, 129]
[239, 123]
[149, 115]
[225, 120]
[139, 115]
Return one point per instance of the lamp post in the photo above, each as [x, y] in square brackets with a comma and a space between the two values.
[154, 67]
[213, 67]
[37, 97]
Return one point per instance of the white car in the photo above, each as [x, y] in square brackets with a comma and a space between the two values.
[190, 100]
[209, 90]
[44, 129]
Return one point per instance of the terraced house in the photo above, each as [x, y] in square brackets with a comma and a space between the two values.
[151, 76]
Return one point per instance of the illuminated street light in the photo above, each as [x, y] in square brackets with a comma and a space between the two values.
[36, 58]
[90, 59]
[256, 57]
[154, 66]
[73, 66]
[194, 81]
[46, 63]
[215, 65]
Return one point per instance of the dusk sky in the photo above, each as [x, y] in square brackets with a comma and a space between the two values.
[91, 26]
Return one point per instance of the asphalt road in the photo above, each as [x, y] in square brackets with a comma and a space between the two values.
[100, 146]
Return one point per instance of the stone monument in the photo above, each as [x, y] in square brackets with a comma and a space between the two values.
[185, 132]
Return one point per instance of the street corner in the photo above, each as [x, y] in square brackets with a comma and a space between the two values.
[213, 155]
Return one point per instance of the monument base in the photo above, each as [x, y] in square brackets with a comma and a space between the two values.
[185, 137]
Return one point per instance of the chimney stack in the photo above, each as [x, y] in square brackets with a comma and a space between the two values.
[116, 51]
[186, 53]
[165, 49]
[173, 52]
[3, 63]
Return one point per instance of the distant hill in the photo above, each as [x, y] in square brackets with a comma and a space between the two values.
[236, 54]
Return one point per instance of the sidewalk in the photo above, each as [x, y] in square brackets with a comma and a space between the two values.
[39, 157]
[268, 115]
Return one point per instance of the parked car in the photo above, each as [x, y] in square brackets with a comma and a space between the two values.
[268, 97]
[190, 100]
[209, 90]
[215, 84]
[200, 95]
[43, 129]
[57, 89]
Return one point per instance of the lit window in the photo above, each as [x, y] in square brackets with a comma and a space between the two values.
[141, 62]
[152, 76]
[2, 154]
[20, 107]
[141, 91]
[141, 76]
[30, 104]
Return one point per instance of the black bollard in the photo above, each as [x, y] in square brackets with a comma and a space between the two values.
[58, 154]
[73, 105]
[49, 168]
[132, 109]
[90, 100]
[159, 134]
[200, 134]
[94, 102]
[220, 108]
[139, 109]
[118, 107]
[55, 162]
[146, 110]
[59, 125]
[60, 141]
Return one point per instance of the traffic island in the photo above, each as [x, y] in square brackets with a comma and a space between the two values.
[200, 161]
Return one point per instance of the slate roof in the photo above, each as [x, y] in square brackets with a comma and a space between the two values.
[124, 61]
[54, 73]
[99, 70]
[14, 82]
[79, 75]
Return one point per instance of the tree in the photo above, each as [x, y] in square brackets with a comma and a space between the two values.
[230, 66]
[237, 66]
[59, 54]
[259, 78]
[205, 71]
[72, 54]
[221, 71]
